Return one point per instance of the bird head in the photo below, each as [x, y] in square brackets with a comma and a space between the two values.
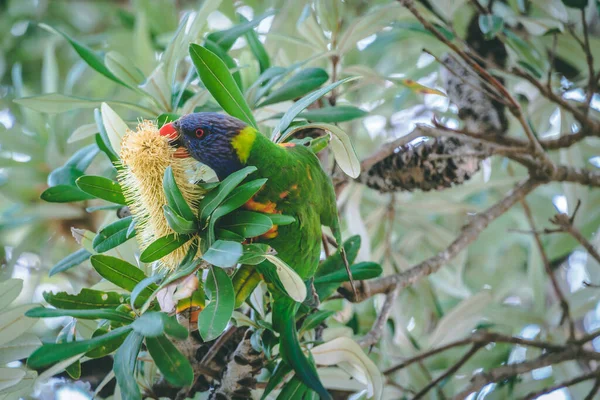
[216, 140]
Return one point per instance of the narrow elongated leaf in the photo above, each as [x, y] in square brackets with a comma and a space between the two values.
[19, 348]
[175, 199]
[51, 353]
[163, 246]
[114, 125]
[293, 284]
[216, 196]
[89, 56]
[55, 103]
[70, 261]
[124, 366]
[315, 319]
[102, 139]
[298, 85]
[247, 223]
[121, 273]
[254, 253]
[64, 194]
[174, 366]
[105, 348]
[223, 253]
[9, 290]
[230, 63]
[13, 323]
[153, 324]
[256, 47]
[141, 288]
[281, 370]
[215, 316]
[304, 102]
[490, 25]
[225, 39]
[87, 299]
[102, 188]
[244, 281]
[100, 313]
[123, 68]
[177, 222]
[218, 80]
[113, 235]
[360, 271]
[333, 114]
[281, 219]
[293, 389]
[344, 350]
[10, 377]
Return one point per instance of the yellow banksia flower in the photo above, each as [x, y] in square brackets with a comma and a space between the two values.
[145, 155]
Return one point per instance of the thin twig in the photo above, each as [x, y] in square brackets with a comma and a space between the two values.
[214, 349]
[566, 315]
[570, 382]
[466, 357]
[371, 338]
[590, 63]
[595, 388]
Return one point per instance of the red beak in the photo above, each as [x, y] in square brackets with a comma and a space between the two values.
[169, 131]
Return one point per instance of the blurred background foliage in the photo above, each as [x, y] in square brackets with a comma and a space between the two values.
[499, 281]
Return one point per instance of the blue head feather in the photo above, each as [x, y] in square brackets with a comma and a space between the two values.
[207, 137]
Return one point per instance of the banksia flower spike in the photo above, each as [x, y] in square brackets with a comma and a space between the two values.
[145, 155]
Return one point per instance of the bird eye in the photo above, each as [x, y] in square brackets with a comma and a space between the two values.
[199, 133]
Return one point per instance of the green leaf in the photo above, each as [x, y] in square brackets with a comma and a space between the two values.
[19, 348]
[163, 246]
[99, 313]
[291, 281]
[124, 69]
[247, 223]
[188, 265]
[9, 291]
[121, 273]
[281, 219]
[174, 366]
[64, 194]
[315, 319]
[254, 253]
[153, 324]
[280, 372]
[256, 47]
[215, 316]
[298, 85]
[238, 197]
[223, 254]
[114, 125]
[89, 56]
[124, 366]
[293, 389]
[102, 188]
[230, 63]
[141, 288]
[113, 235]
[225, 39]
[14, 323]
[86, 299]
[56, 103]
[224, 234]
[245, 280]
[163, 119]
[177, 222]
[106, 348]
[215, 197]
[102, 139]
[360, 271]
[70, 261]
[218, 80]
[51, 353]
[304, 102]
[490, 25]
[333, 114]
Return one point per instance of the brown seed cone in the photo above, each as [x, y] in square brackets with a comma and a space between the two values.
[434, 165]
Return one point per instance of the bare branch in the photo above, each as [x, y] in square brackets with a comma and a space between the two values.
[566, 316]
[376, 331]
[570, 382]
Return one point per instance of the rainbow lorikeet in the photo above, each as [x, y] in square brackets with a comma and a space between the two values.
[296, 186]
